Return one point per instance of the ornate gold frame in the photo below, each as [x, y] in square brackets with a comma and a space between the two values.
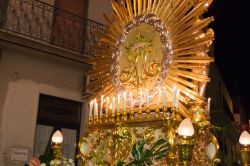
[186, 43]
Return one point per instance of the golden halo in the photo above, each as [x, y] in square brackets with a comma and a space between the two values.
[184, 62]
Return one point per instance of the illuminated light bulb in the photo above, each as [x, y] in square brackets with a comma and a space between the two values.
[208, 3]
[186, 128]
[57, 137]
[244, 138]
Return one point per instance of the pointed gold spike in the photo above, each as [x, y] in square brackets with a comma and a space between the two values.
[196, 12]
[163, 8]
[187, 66]
[196, 59]
[193, 45]
[159, 4]
[182, 81]
[124, 12]
[173, 6]
[187, 53]
[190, 75]
[145, 6]
[178, 10]
[181, 13]
[191, 94]
[170, 93]
[116, 8]
[186, 38]
[139, 7]
[154, 5]
[129, 8]
[113, 28]
[201, 24]
[107, 41]
[135, 7]
[106, 35]
[185, 112]
[149, 5]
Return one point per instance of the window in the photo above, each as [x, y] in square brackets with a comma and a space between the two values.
[57, 114]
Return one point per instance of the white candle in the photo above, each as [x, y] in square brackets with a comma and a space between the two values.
[101, 104]
[208, 105]
[177, 98]
[96, 108]
[159, 98]
[91, 108]
[107, 103]
[164, 97]
[118, 103]
[131, 100]
[113, 105]
[140, 100]
[147, 101]
[124, 101]
[174, 96]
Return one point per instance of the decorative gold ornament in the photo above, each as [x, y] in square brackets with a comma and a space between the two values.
[121, 143]
[185, 150]
[150, 44]
[245, 155]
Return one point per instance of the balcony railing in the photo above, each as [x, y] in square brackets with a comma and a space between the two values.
[48, 24]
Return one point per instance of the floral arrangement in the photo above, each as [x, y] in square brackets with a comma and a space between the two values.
[145, 156]
[63, 162]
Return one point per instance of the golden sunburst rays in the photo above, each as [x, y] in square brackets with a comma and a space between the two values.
[188, 37]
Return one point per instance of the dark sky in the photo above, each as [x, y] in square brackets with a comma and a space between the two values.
[232, 44]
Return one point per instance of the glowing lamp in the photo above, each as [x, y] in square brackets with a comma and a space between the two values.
[186, 128]
[57, 137]
[244, 138]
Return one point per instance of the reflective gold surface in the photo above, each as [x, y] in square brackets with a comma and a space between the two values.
[152, 45]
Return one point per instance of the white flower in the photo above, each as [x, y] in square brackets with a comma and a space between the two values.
[52, 162]
[43, 164]
[64, 161]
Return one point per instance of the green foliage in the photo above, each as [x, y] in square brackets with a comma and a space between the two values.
[145, 156]
[48, 154]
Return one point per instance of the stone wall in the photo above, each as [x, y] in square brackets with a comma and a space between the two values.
[22, 79]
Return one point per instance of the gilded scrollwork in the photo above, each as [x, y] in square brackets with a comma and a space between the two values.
[120, 145]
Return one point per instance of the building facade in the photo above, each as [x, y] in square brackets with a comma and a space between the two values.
[44, 47]
[224, 117]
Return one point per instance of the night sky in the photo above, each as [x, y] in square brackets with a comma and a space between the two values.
[232, 45]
